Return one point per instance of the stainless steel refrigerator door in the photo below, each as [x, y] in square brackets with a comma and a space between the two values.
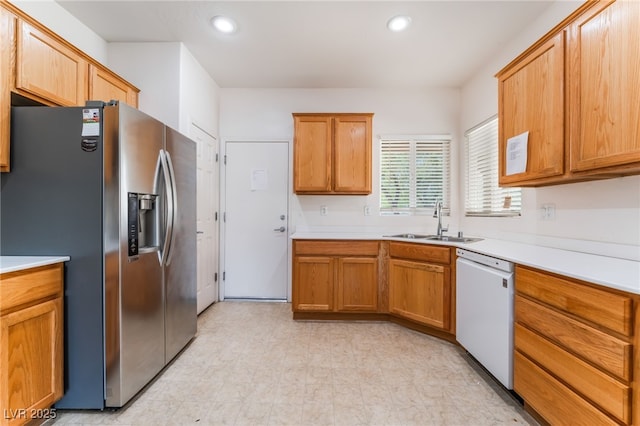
[134, 291]
[180, 272]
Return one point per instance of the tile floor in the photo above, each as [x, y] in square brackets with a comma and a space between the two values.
[251, 364]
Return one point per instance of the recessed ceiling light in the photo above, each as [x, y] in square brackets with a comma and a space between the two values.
[398, 23]
[224, 24]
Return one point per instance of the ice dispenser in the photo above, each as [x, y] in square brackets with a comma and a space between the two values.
[142, 224]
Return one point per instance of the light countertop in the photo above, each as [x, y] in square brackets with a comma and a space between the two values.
[19, 263]
[607, 271]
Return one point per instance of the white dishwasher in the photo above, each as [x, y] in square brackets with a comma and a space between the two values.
[484, 311]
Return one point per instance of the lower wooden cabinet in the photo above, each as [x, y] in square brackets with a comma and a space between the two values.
[31, 343]
[420, 284]
[574, 349]
[419, 291]
[357, 285]
[335, 276]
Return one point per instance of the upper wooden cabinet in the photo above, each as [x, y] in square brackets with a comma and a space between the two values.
[576, 91]
[48, 69]
[40, 66]
[604, 89]
[531, 100]
[7, 41]
[106, 86]
[332, 153]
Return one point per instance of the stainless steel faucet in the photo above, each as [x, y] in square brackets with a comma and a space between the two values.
[438, 213]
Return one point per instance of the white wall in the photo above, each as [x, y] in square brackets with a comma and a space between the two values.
[265, 114]
[154, 68]
[57, 19]
[199, 96]
[600, 212]
[174, 88]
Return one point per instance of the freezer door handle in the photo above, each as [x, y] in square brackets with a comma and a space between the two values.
[162, 172]
[172, 206]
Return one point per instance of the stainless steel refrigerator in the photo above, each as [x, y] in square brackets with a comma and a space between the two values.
[115, 190]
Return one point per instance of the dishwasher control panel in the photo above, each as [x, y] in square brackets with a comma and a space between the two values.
[483, 259]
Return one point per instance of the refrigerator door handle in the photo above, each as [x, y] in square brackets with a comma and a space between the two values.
[162, 171]
[173, 207]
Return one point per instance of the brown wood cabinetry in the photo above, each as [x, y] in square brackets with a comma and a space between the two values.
[31, 342]
[107, 86]
[47, 69]
[335, 276]
[604, 88]
[531, 100]
[7, 41]
[573, 349]
[332, 153]
[420, 284]
[40, 66]
[576, 92]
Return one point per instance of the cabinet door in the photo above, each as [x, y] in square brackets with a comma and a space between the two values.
[31, 358]
[420, 292]
[104, 86]
[7, 39]
[312, 154]
[604, 91]
[531, 99]
[357, 284]
[352, 154]
[313, 283]
[48, 69]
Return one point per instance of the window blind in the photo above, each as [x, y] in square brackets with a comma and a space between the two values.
[483, 195]
[414, 174]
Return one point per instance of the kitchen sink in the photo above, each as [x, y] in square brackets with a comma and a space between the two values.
[409, 236]
[452, 239]
[449, 238]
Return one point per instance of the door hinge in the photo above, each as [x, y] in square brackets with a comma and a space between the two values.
[215, 277]
[215, 216]
[224, 275]
[224, 217]
[225, 159]
[216, 157]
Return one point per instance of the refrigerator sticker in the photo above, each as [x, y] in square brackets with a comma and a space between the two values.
[91, 122]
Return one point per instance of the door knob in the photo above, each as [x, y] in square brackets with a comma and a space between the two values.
[281, 229]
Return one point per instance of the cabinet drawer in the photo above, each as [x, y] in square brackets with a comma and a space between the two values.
[551, 399]
[26, 287]
[422, 252]
[612, 311]
[595, 385]
[608, 352]
[335, 248]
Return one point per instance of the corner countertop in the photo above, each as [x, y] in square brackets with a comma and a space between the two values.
[611, 272]
[19, 263]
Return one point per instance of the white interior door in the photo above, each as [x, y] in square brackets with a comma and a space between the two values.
[207, 225]
[256, 237]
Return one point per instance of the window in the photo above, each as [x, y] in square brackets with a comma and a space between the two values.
[483, 195]
[414, 173]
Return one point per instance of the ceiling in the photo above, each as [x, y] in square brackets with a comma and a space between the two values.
[321, 44]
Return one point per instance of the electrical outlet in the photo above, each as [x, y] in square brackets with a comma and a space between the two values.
[323, 210]
[548, 212]
[367, 210]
